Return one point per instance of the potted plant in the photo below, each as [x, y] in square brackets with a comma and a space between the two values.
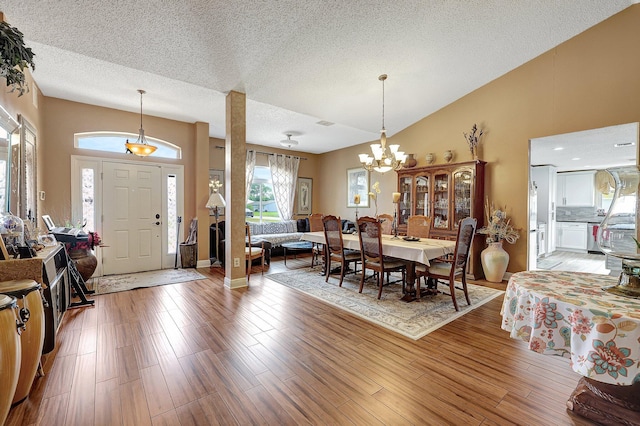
[14, 58]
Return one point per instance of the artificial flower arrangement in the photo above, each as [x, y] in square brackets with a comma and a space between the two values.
[91, 243]
[473, 139]
[375, 190]
[498, 226]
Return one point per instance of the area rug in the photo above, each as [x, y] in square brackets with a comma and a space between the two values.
[115, 283]
[413, 320]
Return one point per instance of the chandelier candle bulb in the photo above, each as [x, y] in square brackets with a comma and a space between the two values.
[396, 197]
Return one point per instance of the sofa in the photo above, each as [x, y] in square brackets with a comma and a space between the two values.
[272, 234]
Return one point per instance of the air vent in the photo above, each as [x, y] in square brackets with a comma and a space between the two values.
[620, 145]
[325, 123]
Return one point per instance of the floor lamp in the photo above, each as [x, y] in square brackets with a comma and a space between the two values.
[216, 201]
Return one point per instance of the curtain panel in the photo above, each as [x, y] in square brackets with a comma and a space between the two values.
[284, 176]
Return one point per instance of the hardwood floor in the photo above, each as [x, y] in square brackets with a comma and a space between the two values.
[198, 354]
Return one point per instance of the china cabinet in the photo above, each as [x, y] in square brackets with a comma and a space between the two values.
[447, 193]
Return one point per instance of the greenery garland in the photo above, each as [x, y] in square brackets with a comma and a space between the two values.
[14, 58]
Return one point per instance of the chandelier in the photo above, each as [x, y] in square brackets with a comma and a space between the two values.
[140, 148]
[384, 159]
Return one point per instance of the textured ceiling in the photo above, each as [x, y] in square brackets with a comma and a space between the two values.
[299, 62]
[607, 147]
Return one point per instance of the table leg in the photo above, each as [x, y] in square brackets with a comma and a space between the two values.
[285, 255]
[410, 290]
[606, 404]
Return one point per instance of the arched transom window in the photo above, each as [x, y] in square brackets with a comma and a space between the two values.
[114, 142]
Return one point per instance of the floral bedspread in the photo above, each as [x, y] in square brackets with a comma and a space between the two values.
[569, 314]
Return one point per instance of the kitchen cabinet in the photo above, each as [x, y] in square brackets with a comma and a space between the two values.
[572, 235]
[447, 193]
[576, 188]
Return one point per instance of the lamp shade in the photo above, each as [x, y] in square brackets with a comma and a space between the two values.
[215, 200]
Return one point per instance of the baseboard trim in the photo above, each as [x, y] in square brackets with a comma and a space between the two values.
[203, 263]
[236, 283]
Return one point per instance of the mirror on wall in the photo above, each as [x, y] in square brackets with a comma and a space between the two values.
[28, 196]
[565, 205]
[8, 134]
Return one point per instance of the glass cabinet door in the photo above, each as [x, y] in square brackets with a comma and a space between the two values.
[462, 195]
[405, 186]
[422, 195]
[441, 200]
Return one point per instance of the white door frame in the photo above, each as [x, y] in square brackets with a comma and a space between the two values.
[79, 162]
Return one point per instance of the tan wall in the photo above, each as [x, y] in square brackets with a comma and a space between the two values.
[588, 82]
[65, 118]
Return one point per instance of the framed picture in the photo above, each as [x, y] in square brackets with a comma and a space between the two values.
[357, 187]
[216, 177]
[47, 240]
[305, 187]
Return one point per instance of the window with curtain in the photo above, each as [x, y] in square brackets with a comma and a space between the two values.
[261, 203]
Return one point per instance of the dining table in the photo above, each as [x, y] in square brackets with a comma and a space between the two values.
[571, 314]
[422, 251]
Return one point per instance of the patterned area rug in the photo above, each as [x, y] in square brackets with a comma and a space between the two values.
[115, 283]
[413, 320]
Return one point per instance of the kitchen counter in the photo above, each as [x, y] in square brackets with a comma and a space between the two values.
[593, 219]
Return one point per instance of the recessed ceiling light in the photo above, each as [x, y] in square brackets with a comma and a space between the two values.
[575, 158]
[558, 148]
[620, 145]
[325, 123]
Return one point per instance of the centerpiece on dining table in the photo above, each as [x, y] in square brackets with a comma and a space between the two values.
[494, 258]
[618, 232]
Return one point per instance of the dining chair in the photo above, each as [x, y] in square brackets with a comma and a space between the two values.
[251, 253]
[370, 236]
[445, 269]
[335, 247]
[419, 226]
[315, 225]
[386, 222]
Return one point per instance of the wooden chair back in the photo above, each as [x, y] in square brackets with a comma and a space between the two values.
[315, 222]
[419, 226]
[333, 234]
[386, 223]
[466, 231]
[370, 236]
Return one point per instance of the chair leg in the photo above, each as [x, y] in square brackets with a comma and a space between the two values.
[343, 266]
[362, 278]
[381, 282]
[464, 288]
[262, 264]
[327, 271]
[452, 290]
[248, 269]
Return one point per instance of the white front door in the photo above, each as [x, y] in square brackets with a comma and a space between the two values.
[131, 218]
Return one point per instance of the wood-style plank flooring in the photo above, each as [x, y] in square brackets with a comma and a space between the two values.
[561, 260]
[199, 354]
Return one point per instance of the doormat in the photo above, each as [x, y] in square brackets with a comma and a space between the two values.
[115, 283]
[413, 319]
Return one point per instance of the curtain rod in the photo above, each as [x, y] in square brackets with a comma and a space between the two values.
[266, 153]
